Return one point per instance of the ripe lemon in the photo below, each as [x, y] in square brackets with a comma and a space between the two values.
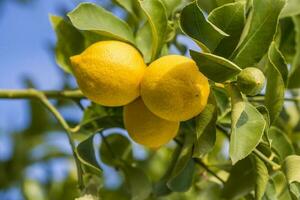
[146, 128]
[174, 89]
[109, 72]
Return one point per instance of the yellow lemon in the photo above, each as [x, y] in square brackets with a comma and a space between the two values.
[109, 72]
[174, 89]
[146, 128]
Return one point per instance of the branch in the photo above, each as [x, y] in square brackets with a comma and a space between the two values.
[42, 96]
[274, 165]
[31, 93]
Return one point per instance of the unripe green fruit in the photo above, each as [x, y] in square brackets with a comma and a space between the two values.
[251, 81]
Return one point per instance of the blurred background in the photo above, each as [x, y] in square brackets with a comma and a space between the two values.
[34, 151]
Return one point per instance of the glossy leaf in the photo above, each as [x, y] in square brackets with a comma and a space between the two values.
[144, 41]
[70, 42]
[280, 143]
[260, 34]
[277, 75]
[90, 17]
[139, 183]
[114, 149]
[171, 5]
[206, 129]
[214, 67]
[294, 81]
[262, 178]
[232, 24]
[86, 154]
[241, 180]
[291, 167]
[182, 175]
[209, 5]
[203, 32]
[158, 21]
[291, 8]
[129, 5]
[247, 127]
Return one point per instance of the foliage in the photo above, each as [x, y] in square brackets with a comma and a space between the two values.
[262, 131]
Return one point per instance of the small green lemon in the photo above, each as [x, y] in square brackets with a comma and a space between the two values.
[251, 81]
[146, 128]
[109, 72]
[174, 89]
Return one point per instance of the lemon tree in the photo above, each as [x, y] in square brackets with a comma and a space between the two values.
[219, 121]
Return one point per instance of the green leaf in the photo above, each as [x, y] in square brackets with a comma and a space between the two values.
[90, 17]
[129, 5]
[262, 29]
[144, 41]
[291, 8]
[276, 81]
[280, 143]
[139, 184]
[158, 21]
[294, 81]
[262, 178]
[69, 42]
[206, 128]
[241, 180]
[247, 127]
[182, 175]
[232, 24]
[215, 67]
[291, 167]
[281, 186]
[86, 154]
[115, 148]
[209, 5]
[203, 32]
[295, 190]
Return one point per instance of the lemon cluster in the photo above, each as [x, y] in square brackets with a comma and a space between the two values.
[155, 98]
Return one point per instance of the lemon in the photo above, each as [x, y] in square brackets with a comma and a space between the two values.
[174, 89]
[251, 81]
[109, 72]
[146, 128]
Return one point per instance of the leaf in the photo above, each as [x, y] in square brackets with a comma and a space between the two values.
[86, 154]
[291, 8]
[69, 42]
[144, 41]
[232, 24]
[129, 5]
[209, 5]
[119, 149]
[182, 175]
[276, 81]
[261, 32]
[291, 168]
[295, 190]
[241, 180]
[294, 81]
[90, 17]
[281, 186]
[158, 21]
[139, 183]
[206, 128]
[216, 68]
[262, 178]
[247, 127]
[203, 32]
[280, 143]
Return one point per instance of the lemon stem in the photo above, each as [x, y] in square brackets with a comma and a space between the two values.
[274, 165]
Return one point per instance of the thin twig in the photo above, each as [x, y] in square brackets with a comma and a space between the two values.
[42, 96]
[274, 165]
[31, 93]
[202, 164]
